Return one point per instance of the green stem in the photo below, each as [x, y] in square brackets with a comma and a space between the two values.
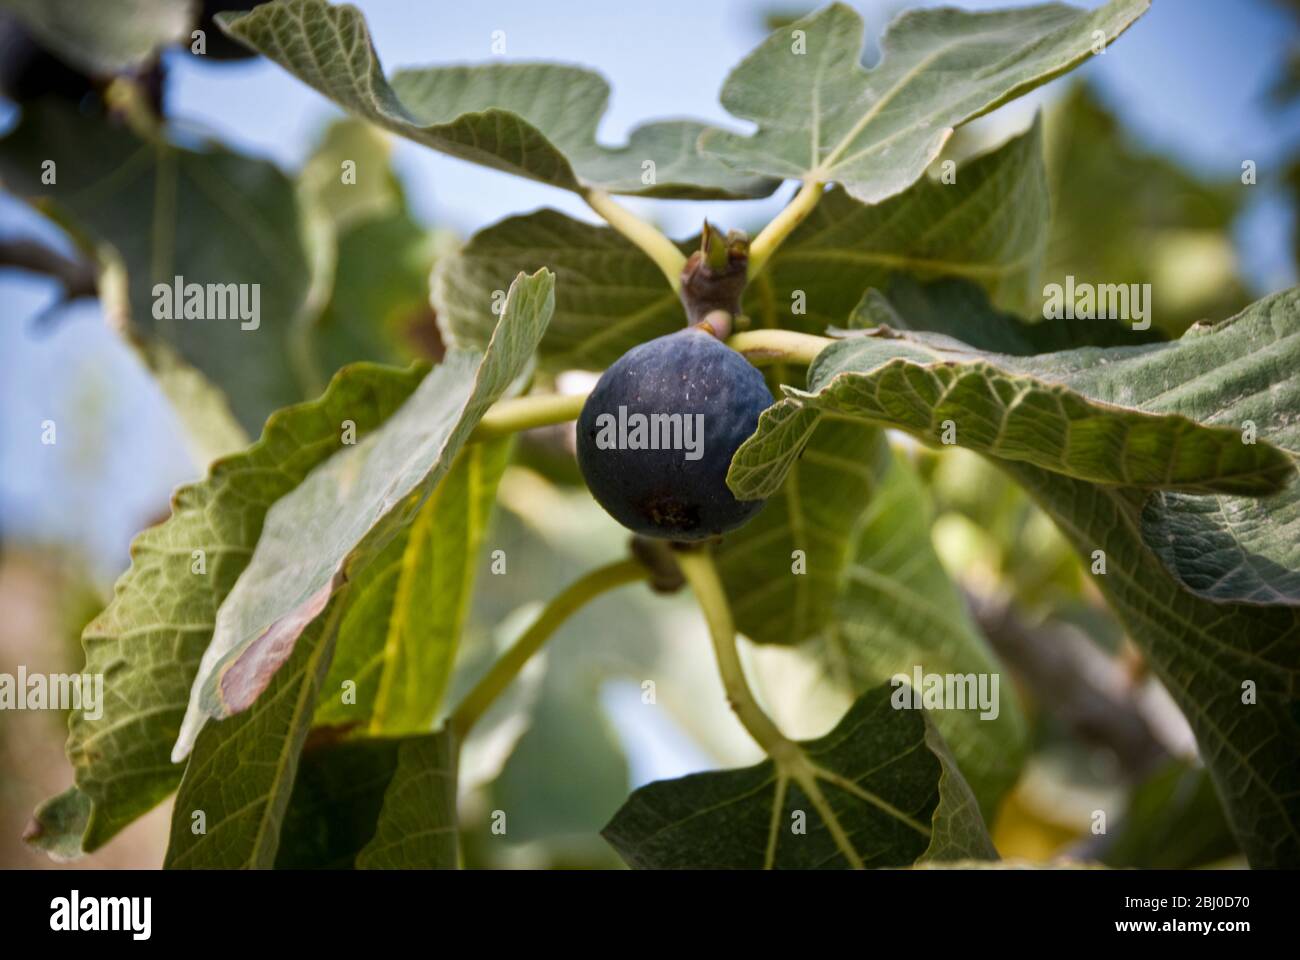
[765, 348]
[700, 572]
[645, 235]
[561, 607]
[782, 225]
[127, 97]
[788, 759]
[524, 413]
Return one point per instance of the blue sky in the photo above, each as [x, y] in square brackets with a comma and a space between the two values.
[1188, 78]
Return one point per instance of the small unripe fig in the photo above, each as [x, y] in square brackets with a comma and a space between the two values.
[656, 436]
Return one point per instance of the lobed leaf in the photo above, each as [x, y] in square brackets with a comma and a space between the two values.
[1232, 668]
[822, 117]
[535, 120]
[1088, 413]
[898, 799]
[208, 216]
[871, 596]
[311, 539]
[150, 638]
[898, 610]
[990, 225]
[1243, 373]
[406, 609]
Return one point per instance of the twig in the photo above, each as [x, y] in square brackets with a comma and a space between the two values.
[1091, 692]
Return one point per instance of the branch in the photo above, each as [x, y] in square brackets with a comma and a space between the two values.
[77, 275]
[1091, 692]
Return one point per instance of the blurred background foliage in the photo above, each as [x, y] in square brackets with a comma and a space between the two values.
[627, 692]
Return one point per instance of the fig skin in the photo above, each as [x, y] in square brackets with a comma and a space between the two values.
[661, 493]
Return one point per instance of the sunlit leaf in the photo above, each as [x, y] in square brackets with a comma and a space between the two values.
[405, 610]
[310, 542]
[536, 120]
[822, 117]
[149, 639]
[991, 226]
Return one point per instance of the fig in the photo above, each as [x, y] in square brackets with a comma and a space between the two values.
[657, 434]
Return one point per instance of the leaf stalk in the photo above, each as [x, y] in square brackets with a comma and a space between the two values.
[524, 413]
[644, 234]
[770, 347]
[701, 573]
[553, 615]
[783, 224]
[788, 757]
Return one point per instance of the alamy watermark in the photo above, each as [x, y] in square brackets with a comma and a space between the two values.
[53, 691]
[653, 431]
[179, 300]
[1129, 302]
[946, 691]
[75, 913]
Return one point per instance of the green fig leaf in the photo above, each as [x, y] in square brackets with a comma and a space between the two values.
[535, 120]
[822, 117]
[884, 778]
[151, 636]
[311, 540]
[989, 226]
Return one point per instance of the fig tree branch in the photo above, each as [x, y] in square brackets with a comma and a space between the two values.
[1086, 688]
[76, 275]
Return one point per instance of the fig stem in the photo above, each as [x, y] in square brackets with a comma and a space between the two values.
[645, 235]
[524, 413]
[766, 348]
[562, 606]
[783, 224]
